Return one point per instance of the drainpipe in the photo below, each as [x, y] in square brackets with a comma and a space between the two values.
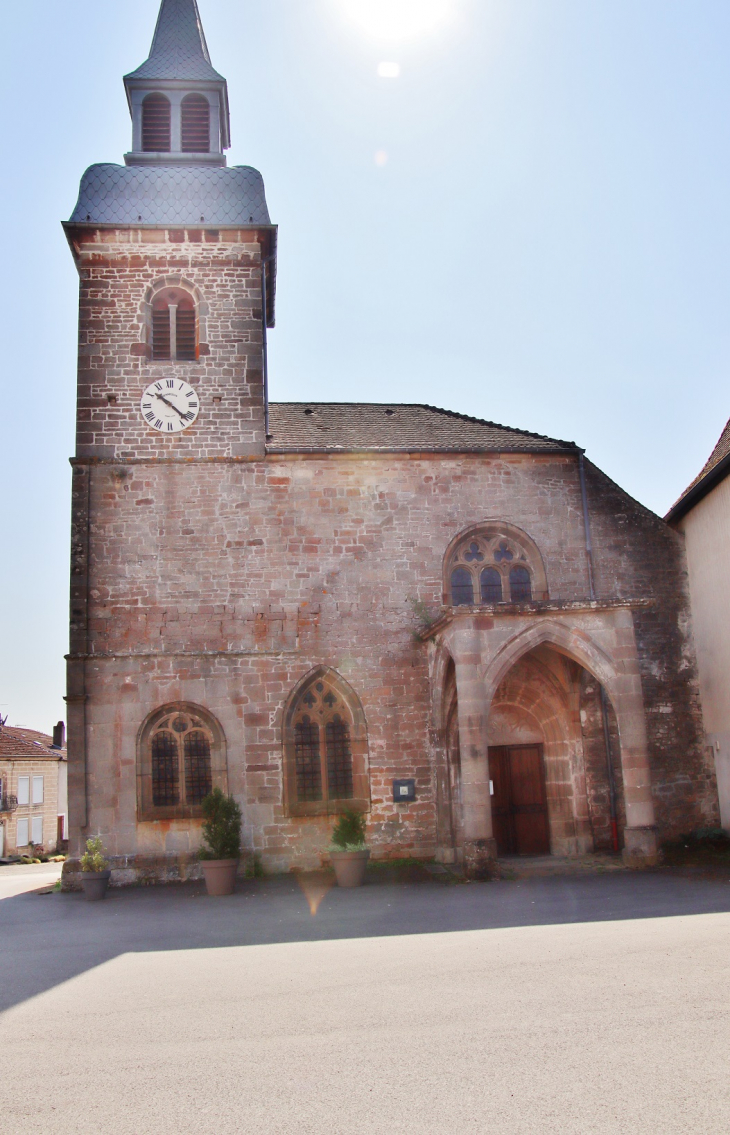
[264, 303]
[604, 700]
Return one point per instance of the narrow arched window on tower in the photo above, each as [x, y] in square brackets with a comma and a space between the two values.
[195, 125]
[173, 326]
[520, 588]
[156, 124]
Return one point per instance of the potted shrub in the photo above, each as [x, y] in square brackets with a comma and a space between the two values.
[348, 852]
[222, 842]
[95, 873]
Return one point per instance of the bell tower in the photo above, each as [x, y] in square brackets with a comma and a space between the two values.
[178, 101]
[176, 256]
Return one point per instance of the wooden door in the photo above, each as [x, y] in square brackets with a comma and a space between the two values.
[519, 801]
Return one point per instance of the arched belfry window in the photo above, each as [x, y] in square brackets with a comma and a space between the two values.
[195, 125]
[156, 119]
[174, 331]
[493, 563]
[325, 748]
[181, 757]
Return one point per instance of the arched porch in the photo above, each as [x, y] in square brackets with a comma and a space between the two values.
[529, 686]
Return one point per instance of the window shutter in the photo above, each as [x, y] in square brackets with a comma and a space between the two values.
[161, 333]
[24, 792]
[185, 334]
[22, 833]
[37, 829]
[195, 125]
[156, 124]
[37, 789]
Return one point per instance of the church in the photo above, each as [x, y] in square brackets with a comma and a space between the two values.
[464, 630]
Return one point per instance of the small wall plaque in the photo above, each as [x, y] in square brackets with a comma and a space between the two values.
[404, 790]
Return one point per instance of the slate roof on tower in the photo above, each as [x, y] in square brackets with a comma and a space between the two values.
[179, 50]
[401, 427]
[171, 195]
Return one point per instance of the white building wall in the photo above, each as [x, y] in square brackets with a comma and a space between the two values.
[707, 532]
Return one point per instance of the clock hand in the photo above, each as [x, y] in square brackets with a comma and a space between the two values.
[170, 404]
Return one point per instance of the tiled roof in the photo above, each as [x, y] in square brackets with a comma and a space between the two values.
[21, 743]
[716, 467]
[296, 426]
[171, 195]
[179, 50]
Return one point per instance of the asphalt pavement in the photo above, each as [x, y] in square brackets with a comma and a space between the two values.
[571, 1004]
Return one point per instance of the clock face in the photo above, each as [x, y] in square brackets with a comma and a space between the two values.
[170, 405]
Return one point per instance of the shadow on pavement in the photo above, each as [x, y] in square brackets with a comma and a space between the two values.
[47, 939]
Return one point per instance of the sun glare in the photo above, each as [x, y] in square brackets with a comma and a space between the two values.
[398, 19]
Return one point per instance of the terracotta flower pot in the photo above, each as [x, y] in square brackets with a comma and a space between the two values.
[220, 875]
[350, 867]
[94, 884]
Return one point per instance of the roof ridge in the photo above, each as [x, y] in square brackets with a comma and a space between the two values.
[494, 425]
[435, 410]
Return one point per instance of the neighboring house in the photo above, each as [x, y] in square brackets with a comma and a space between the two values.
[428, 617]
[702, 515]
[33, 794]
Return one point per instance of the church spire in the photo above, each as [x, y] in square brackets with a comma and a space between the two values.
[178, 101]
[179, 50]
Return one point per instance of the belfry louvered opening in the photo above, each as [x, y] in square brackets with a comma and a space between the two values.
[156, 124]
[174, 330]
[195, 125]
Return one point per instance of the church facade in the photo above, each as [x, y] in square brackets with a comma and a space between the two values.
[466, 631]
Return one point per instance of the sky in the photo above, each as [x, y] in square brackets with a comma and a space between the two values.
[524, 219]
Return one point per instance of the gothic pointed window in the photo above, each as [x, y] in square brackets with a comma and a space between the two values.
[325, 748]
[493, 563]
[181, 757]
[156, 120]
[174, 333]
[195, 124]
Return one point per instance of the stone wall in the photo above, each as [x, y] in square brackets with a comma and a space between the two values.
[118, 268]
[225, 583]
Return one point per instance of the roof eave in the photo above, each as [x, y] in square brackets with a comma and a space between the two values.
[694, 495]
[455, 451]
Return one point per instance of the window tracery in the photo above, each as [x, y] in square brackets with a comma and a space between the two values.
[325, 748]
[181, 757]
[493, 563]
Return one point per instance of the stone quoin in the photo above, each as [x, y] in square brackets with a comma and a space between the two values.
[303, 602]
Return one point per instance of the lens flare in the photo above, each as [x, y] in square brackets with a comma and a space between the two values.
[398, 19]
